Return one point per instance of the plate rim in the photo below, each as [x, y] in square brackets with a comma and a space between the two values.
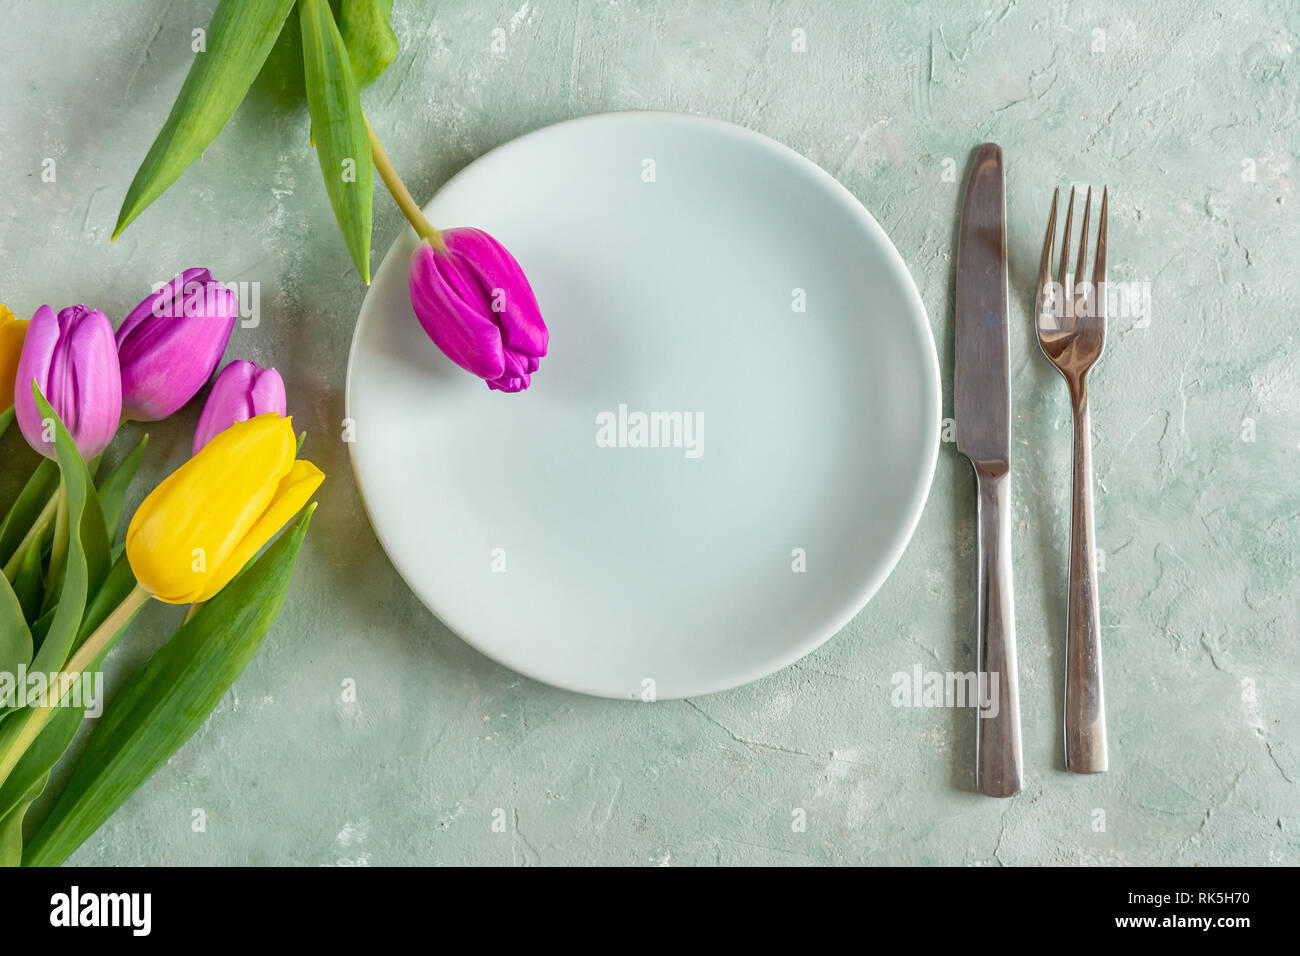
[858, 600]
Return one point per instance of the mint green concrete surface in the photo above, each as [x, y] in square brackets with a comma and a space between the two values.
[1186, 109]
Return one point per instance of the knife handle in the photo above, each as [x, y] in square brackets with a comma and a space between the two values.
[997, 743]
[1085, 713]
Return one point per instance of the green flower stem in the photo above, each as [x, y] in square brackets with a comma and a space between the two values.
[34, 532]
[423, 228]
[38, 717]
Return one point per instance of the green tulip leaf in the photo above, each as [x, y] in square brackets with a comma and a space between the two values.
[167, 700]
[31, 774]
[6, 417]
[15, 637]
[119, 583]
[84, 570]
[371, 42]
[238, 39]
[11, 825]
[29, 585]
[368, 35]
[339, 128]
[281, 74]
[27, 508]
[112, 491]
[41, 626]
[33, 770]
[87, 561]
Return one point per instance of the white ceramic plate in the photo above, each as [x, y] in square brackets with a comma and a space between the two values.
[670, 255]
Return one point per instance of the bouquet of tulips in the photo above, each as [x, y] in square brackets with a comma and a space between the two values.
[69, 588]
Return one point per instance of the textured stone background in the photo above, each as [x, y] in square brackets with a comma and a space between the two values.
[1171, 103]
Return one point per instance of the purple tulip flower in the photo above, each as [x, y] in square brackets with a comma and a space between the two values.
[242, 391]
[476, 304]
[73, 361]
[172, 341]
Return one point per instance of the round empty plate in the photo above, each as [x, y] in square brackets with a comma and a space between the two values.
[727, 448]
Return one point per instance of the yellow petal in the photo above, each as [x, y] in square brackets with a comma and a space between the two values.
[12, 333]
[188, 526]
[293, 492]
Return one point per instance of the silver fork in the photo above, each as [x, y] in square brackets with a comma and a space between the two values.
[1071, 322]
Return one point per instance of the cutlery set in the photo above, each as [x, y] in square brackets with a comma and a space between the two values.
[1070, 321]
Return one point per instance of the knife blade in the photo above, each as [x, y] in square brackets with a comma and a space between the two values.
[982, 415]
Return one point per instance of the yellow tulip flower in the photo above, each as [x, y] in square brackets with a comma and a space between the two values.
[12, 333]
[203, 523]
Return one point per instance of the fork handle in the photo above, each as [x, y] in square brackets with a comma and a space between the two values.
[997, 740]
[1085, 714]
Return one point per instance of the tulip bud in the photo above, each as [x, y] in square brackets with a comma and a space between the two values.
[73, 361]
[171, 342]
[242, 391]
[12, 333]
[207, 519]
[476, 304]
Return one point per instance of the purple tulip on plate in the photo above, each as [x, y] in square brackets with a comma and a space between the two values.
[73, 360]
[242, 391]
[474, 301]
[172, 341]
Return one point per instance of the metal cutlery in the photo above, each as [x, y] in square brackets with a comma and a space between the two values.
[1071, 324]
[982, 414]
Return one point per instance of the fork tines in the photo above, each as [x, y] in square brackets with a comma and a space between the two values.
[1084, 299]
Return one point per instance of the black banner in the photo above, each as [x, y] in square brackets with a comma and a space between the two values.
[301, 905]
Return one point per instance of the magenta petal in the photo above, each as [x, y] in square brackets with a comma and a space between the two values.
[158, 303]
[172, 341]
[34, 366]
[242, 391]
[510, 383]
[516, 365]
[451, 311]
[98, 383]
[509, 293]
[267, 394]
[516, 377]
[476, 304]
[73, 359]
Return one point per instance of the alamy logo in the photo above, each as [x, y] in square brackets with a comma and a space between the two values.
[75, 908]
[624, 429]
[209, 298]
[934, 689]
[22, 688]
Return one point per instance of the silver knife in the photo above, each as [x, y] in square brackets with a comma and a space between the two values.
[982, 410]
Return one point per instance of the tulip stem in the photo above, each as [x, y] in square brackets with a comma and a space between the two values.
[93, 647]
[423, 228]
[99, 641]
[35, 531]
